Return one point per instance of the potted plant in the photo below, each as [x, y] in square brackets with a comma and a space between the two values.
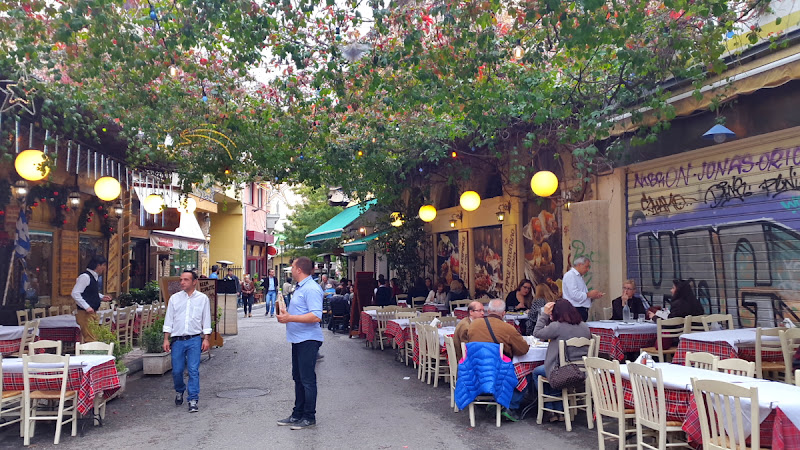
[105, 334]
[155, 361]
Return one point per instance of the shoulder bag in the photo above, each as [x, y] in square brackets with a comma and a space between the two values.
[568, 375]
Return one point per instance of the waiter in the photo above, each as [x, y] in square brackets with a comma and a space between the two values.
[574, 287]
[87, 296]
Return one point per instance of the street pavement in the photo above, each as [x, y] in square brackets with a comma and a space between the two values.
[366, 400]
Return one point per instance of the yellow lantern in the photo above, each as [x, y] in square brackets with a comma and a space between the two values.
[188, 206]
[470, 200]
[427, 213]
[107, 188]
[397, 219]
[153, 204]
[544, 183]
[29, 165]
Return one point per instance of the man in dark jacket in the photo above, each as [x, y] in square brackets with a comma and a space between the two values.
[383, 295]
[629, 298]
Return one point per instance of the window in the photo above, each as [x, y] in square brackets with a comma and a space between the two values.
[40, 266]
[181, 260]
[260, 197]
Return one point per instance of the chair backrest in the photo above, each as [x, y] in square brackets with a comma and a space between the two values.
[39, 313]
[701, 360]
[694, 324]
[44, 344]
[433, 346]
[452, 360]
[458, 303]
[57, 369]
[417, 302]
[449, 321]
[94, 348]
[790, 341]
[407, 310]
[405, 315]
[401, 297]
[608, 312]
[383, 317]
[767, 340]
[576, 342]
[372, 308]
[104, 306]
[722, 414]
[595, 351]
[464, 350]
[22, 316]
[725, 321]
[648, 396]
[609, 398]
[66, 309]
[105, 317]
[29, 333]
[390, 308]
[736, 366]
[428, 316]
[670, 328]
[53, 311]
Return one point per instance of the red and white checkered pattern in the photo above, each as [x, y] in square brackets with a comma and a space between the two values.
[721, 349]
[396, 333]
[99, 378]
[785, 434]
[434, 308]
[460, 314]
[367, 327]
[9, 347]
[522, 370]
[65, 334]
[617, 346]
[677, 401]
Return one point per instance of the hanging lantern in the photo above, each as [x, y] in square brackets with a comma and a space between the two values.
[427, 213]
[107, 188]
[188, 206]
[118, 209]
[397, 219]
[153, 204]
[544, 183]
[21, 190]
[29, 165]
[74, 199]
[470, 200]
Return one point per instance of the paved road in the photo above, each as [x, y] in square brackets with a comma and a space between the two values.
[364, 402]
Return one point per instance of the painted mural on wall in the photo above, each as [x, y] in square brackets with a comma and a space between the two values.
[728, 223]
[447, 263]
[541, 235]
[488, 270]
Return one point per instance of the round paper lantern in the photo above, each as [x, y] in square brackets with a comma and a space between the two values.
[189, 206]
[29, 165]
[397, 219]
[153, 204]
[107, 188]
[470, 200]
[427, 213]
[544, 183]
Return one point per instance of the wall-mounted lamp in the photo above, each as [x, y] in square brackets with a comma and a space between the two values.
[455, 218]
[362, 231]
[719, 134]
[21, 190]
[566, 200]
[502, 210]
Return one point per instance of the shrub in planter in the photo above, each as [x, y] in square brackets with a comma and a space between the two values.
[153, 337]
[104, 334]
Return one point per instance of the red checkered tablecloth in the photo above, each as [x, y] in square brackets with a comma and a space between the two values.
[8, 347]
[102, 377]
[433, 308]
[785, 434]
[460, 313]
[721, 349]
[522, 370]
[65, 334]
[617, 346]
[443, 349]
[367, 327]
[677, 401]
[395, 332]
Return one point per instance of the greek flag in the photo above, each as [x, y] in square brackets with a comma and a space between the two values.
[22, 249]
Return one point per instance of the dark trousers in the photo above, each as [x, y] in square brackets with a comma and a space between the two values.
[247, 299]
[584, 312]
[304, 360]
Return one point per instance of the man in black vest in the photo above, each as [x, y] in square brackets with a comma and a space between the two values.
[87, 296]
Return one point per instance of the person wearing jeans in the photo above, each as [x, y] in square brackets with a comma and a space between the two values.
[271, 286]
[187, 326]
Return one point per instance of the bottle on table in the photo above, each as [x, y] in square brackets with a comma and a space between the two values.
[626, 313]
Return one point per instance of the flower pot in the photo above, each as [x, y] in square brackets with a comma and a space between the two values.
[123, 381]
[156, 363]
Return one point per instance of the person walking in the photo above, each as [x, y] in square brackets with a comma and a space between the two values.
[87, 296]
[271, 286]
[304, 333]
[287, 290]
[575, 290]
[237, 285]
[248, 289]
[187, 326]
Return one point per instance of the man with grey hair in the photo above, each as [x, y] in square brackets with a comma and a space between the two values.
[574, 287]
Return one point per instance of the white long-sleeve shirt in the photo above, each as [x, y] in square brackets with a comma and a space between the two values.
[188, 315]
[574, 288]
[80, 285]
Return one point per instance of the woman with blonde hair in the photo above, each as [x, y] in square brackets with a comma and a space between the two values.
[248, 289]
[542, 295]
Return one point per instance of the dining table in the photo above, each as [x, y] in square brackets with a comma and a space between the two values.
[436, 307]
[63, 328]
[524, 364]
[10, 337]
[736, 343]
[618, 337]
[88, 374]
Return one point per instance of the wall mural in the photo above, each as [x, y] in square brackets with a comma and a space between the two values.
[447, 263]
[541, 234]
[488, 270]
[729, 224]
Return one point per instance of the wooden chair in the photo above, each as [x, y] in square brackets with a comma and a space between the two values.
[609, 401]
[67, 399]
[53, 311]
[22, 317]
[401, 298]
[44, 345]
[104, 306]
[138, 329]
[736, 366]
[668, 328]
[483, 399]
[723, 414]
[436, 362]
[105, 318]
[725, 321]
[453, 374]
[39, 313]
[768, 341]
[694, 324]
[459, 303]
[372, 308]
[417, 303]
[382, 317]
[94, 348]
[405, 315]
[29, 333]
[650, 405]
[449, 321]
[701, 360]
[407, 310]
[571, 398]
[790, 341]
[422, 355]
[66, 309]
[11, 404]
[124, 326]
[391, 308]
[428, 316]
[408, 346]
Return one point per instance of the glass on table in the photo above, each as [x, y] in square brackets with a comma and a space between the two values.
[641, 318]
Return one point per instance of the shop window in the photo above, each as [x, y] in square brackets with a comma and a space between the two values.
[40, 266]
[182, 260]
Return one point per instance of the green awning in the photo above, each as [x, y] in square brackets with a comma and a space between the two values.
[360, 245]
[333, 228]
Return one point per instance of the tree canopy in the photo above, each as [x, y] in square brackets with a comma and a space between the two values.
[306, 217]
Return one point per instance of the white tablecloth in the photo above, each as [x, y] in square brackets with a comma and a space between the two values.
[62, 321]
[745, 337]
[372, 313]
[85, 362]
[444, 331]
[536, 352]
[11, 333]
[402, 323]
[620, 327]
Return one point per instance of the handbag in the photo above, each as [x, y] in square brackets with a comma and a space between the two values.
[562, 377]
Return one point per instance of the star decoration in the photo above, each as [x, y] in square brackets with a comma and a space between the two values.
[16, 96]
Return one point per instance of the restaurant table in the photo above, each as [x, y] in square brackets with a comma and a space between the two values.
[368, 325]
[618, 337]
[524, 364]
[725, 344]
[443, 331]
[397, 331]
[779, 403]
[88, 374]
[60, 328]
[436, 307]
[10, 337]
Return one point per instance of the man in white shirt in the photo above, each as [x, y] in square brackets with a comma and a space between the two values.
[188, 323]
[574, 287]
[87, 296]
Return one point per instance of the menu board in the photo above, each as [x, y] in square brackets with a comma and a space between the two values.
[68, 261]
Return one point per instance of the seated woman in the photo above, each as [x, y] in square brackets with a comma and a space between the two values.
[559, 321]
[457, 292]
[543, 294]
[521, 298]
[684, 302]
[629, 298]
[439, 295]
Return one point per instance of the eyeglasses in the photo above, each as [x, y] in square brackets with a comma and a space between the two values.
[628, 288]
[478, 310]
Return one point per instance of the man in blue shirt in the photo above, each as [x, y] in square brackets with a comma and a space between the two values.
[305, 335]
[214, 275]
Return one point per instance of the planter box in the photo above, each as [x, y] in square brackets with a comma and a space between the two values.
[123, 382]
[156, 363]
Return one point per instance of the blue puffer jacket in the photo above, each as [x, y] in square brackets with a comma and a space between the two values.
[482, 371]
